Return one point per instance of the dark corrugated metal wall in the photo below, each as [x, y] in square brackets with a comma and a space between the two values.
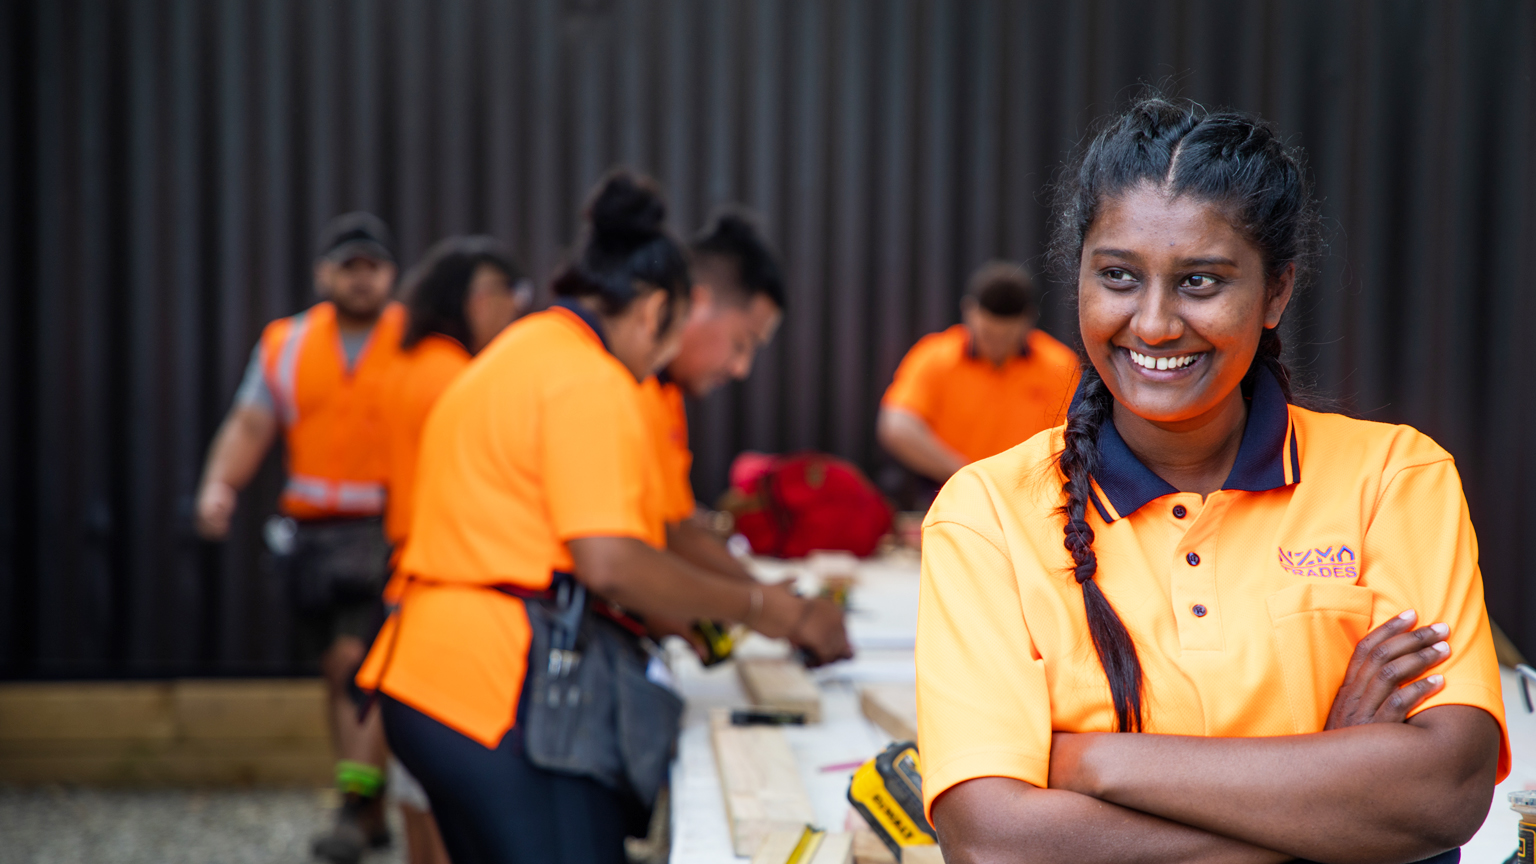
[164, 167]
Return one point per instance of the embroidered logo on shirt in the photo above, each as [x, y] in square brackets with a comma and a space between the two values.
[1330, 562]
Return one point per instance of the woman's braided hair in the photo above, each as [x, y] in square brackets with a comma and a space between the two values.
[1236, 162]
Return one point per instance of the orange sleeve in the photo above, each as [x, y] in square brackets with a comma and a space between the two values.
[918, 380]
[597, 461]
[989, 719]
[1421, 553]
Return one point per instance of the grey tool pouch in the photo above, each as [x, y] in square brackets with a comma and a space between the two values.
[588, 708]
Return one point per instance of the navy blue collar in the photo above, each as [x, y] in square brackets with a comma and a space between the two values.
[1260, 465]
[587, 316]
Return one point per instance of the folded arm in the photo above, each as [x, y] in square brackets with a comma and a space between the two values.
[999, 819]
[1377, 792]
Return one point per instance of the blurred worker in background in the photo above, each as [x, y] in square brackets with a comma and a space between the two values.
[737, 304]
[464, 292]
[980, 387]
[536, 488]
[320, 377]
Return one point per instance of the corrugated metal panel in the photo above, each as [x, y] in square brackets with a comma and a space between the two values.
[165, 165]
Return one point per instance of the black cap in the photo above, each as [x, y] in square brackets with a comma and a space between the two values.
[357, 235]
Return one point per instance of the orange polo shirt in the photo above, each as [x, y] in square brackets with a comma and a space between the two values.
[421, 375]
[1244, 607]
[667, 418]
[976, 408]
[537, 442]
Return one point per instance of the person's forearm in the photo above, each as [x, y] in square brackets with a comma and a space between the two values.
[996, 819]
[239, 447]
[693, 543]
[1378, 792]
[652, 582]
[913, 444]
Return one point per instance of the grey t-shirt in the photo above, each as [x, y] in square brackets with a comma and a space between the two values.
[253, 390]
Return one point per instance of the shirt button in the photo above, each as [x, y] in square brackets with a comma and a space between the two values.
[1179, 512]
[1199, 610]
[1193, 559]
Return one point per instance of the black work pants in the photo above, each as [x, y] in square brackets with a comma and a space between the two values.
[496, 807]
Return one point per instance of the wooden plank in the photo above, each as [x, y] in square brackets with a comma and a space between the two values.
[929, 854]
[139, 711]
[777, 847]
[868, 848]
[836, 848]
[759, 781]
[829, 848]
[120, 763]
[165, 733]
[781, 684]
[285, 710]
[892, 707]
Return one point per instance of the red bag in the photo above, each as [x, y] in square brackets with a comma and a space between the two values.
[789, 506]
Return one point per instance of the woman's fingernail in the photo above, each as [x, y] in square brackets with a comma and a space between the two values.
[1442, 647]
[1441, 629]
[1409, 615]
[1435, 680]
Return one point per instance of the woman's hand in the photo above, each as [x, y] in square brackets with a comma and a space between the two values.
[659, 627]
[1374, 690]
[815, 624]
[821, 632]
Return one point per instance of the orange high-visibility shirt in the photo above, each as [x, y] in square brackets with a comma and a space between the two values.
[976, 408]
[540, 440]
[421, 375]
[1244, 607]
[667, 417]
[332, 418]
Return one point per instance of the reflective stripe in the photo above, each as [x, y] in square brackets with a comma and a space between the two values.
[311, 490]
[360, 496]
[285, 390]
[336, 494]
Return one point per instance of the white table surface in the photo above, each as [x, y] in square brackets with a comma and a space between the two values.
[882, 622]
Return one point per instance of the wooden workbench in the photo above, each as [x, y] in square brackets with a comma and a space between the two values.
[882, 623]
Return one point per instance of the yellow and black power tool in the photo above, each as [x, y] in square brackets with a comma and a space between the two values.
[888, 792]
[718, 638]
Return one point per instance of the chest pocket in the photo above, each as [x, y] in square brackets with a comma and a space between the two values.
[1316, 626]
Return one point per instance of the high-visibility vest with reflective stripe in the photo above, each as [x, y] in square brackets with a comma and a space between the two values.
[333, 420]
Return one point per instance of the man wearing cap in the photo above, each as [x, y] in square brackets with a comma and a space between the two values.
[319, 376]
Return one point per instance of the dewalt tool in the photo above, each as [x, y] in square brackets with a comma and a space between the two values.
[888, 792]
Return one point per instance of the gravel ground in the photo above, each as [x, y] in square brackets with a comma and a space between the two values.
[93, 826]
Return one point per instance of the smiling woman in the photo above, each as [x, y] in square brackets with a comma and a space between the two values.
[1274, 712]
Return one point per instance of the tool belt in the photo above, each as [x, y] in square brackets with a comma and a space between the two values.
[325, 563]
[588, 706]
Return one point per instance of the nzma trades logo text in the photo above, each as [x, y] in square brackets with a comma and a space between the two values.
[1331, 562]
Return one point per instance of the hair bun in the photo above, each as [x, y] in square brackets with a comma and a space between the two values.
[627, 211]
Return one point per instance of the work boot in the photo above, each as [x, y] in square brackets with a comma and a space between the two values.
[359, 826]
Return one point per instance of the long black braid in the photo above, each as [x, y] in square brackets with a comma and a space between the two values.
[1079, 460]
[1235, 161]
